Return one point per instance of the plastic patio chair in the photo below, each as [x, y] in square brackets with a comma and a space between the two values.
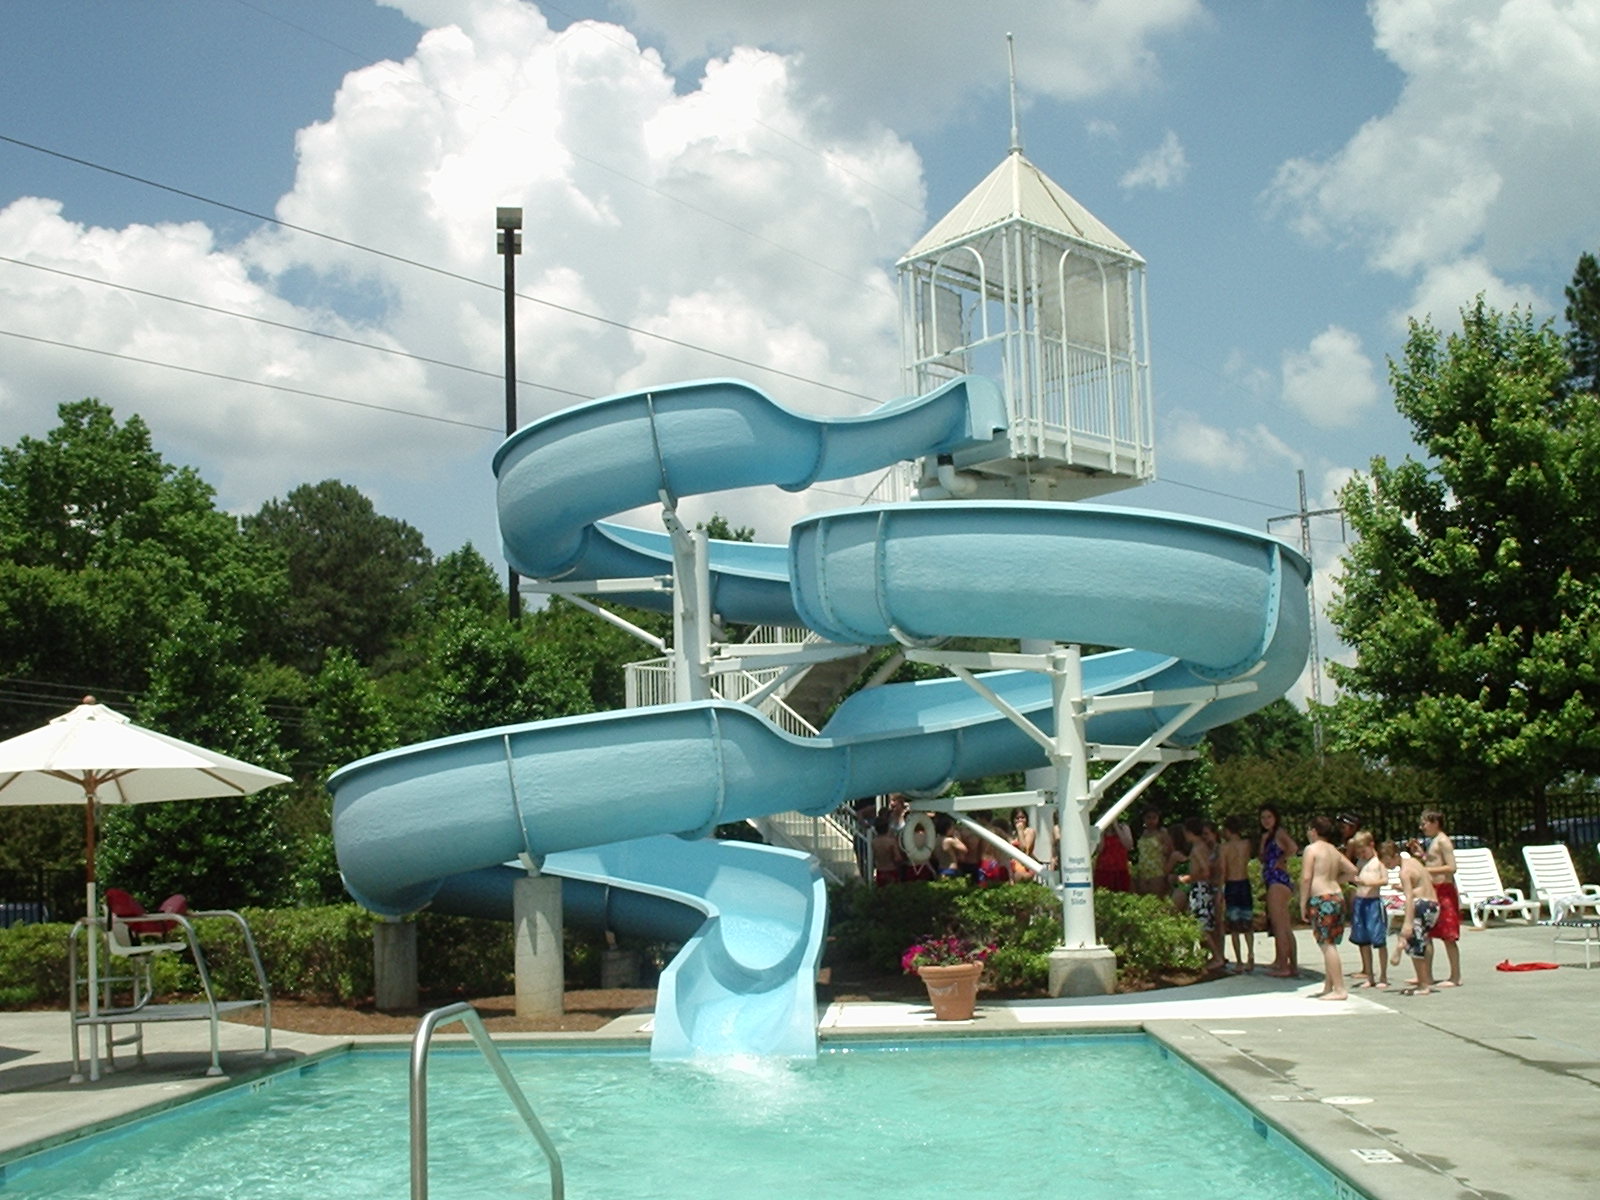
[1554, 881]
[1482, 893]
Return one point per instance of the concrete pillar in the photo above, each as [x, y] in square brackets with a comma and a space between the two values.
[1082, 971]
[394, 965]
[537, 936]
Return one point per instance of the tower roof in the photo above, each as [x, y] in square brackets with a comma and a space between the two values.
[1017, 190]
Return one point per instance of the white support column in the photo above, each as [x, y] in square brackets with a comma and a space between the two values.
[1042, 780]
[1080, 966]
[691, 608]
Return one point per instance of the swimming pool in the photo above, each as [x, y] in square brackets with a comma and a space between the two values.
[1103, 1117]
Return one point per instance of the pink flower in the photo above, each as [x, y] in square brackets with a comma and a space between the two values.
[948, 951]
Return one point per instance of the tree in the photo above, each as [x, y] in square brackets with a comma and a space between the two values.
[491, 672]
[102, 546]
[1280, 730]
[1583, 315]
[346, 718]
[355, 577]
[463, 579]
[222, 852]
[1472, 597]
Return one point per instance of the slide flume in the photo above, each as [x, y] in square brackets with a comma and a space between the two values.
[1194, 602]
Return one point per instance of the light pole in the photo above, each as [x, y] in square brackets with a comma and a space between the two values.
[508, 244]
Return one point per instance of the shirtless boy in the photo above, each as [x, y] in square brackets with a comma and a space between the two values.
[1322, 870]
[1440, 859]
[1422, 909]
[1369, 922]
[1237, 900]
[1202, 881]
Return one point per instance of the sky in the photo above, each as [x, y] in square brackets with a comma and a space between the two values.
[267, 226]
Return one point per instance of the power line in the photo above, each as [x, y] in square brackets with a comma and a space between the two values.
[441, 271]
[317, 333]
[276, 387]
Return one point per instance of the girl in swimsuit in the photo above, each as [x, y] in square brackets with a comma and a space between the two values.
[1151, 854]
[1276, 847]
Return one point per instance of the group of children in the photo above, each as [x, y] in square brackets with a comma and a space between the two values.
[1429, 906]
[1213, 886]
[1207, 874]
[1210, 878]
[912, 847]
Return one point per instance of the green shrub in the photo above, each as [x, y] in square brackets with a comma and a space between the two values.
[464, 956]
[318, 954]
[1023, 920]
[33, 966]
[1146, 935]
[875, 925]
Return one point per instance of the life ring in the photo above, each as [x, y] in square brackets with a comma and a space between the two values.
[918, 851]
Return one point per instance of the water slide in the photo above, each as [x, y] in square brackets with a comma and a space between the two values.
[621, 805]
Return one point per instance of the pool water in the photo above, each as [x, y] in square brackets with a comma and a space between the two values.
[1098, 1118]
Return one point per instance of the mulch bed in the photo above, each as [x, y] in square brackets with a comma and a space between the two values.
[590, 1009]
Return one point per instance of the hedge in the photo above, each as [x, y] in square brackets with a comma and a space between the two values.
[322, 955]
[875, 925]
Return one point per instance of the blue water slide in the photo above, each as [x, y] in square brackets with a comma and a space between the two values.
[1193, 602]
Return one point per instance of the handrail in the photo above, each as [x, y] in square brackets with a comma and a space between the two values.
[469, 1017]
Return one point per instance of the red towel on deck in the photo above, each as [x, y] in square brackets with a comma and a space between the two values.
[1508, 965]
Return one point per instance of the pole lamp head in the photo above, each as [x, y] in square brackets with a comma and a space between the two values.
[508, 221]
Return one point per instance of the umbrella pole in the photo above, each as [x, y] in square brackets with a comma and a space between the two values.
[92, 913]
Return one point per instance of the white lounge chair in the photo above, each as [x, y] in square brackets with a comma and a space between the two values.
[1554, 881]
[1483, 895]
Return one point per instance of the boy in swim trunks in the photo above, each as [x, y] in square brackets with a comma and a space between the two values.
[1439, 857]
[1422, 909]
[1369, 922]
[1239, 907]
[1202, 881]
[1322, 870]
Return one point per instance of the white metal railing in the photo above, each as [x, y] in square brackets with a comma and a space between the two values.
[653, 682]
[833, 840]
[468, 1016]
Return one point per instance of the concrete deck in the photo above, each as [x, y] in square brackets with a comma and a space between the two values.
[1490, 1090]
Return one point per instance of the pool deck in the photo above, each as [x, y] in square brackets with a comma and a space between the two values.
[1489, 1090]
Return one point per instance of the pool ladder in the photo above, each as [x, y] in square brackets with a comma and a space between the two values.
[469, 1017]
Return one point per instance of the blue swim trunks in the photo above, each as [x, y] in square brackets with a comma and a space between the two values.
[1369, 923]
[1238, 906]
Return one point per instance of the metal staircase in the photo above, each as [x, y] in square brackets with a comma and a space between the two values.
[797, 705]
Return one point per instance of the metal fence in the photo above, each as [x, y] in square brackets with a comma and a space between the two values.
[42, 894]
[1501, 822]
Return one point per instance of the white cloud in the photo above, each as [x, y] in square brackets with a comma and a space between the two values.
[1332, 383]
[1444, 290]
[1164, 167]
[1487, 153]
[686, 212]
[900, 62]
[1185, 438]
[1254, 380]
[1333, 481]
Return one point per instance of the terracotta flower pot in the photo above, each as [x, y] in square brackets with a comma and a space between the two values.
[953, 991]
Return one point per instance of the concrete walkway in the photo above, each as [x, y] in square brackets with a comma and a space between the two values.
[1488, 1090]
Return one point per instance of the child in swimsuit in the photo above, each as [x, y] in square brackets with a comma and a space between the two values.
[1422, 909]
[1322, 869]
[1150, 856]
[1202, 881]
[1276, 847]
[1369, 923]
[1239, 910]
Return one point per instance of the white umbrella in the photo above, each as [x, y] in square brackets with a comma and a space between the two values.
[95, 755]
